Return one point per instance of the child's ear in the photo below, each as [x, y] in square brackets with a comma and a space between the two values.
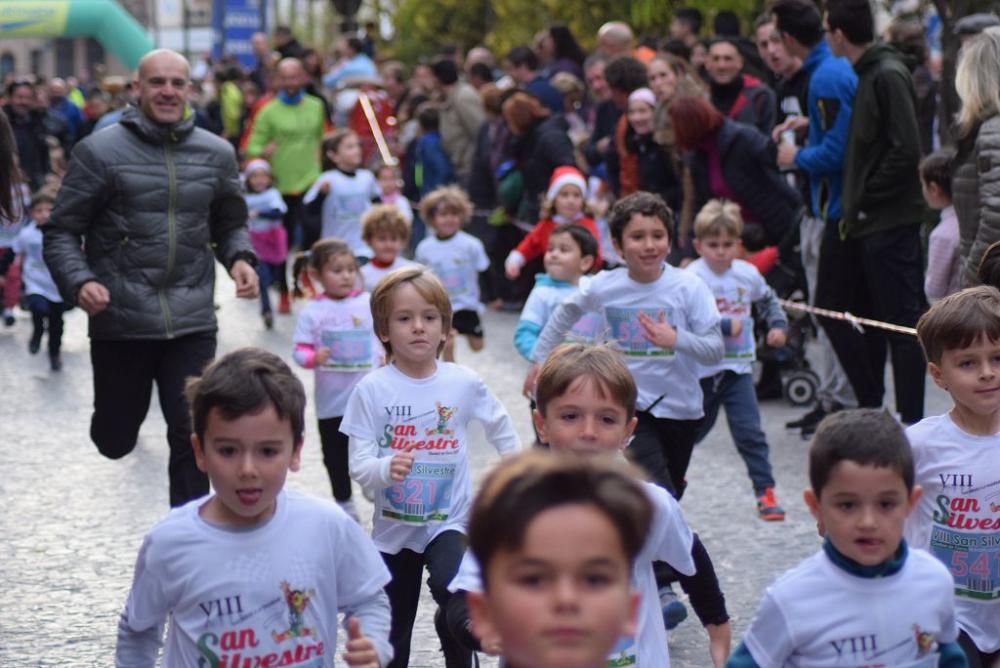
[539, 421]
[915, 495]
[631, 625]
[697, 246]
[812, 501]
[296, 460]
[479, 614]
[629, 430]
[199, 452]
[586, 263]
[935, 371]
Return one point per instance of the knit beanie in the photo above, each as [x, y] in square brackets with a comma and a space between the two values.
[565, 176]
[254, 165]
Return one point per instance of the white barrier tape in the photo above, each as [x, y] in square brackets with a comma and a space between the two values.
[856, 322]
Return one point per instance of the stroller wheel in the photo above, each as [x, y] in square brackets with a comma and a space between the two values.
[800, 390]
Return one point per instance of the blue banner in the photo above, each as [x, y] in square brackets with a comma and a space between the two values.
[233, 23]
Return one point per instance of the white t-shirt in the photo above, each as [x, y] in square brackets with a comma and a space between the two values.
[548, 294]
[818, 614]
[735, 291]
[34, 271]
[371, 274]
[348, 199]
[389, 411]
[263, 202]
[666, 378]
[958, 518]
[669, 540]
[255, 596]
[457, 261]
[345, 327]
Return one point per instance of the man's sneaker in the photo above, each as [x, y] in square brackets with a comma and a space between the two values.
[813, 417]
[768, 508]
[8, 317]
[674, 612]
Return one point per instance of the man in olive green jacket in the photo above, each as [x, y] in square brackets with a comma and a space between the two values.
[878, 271]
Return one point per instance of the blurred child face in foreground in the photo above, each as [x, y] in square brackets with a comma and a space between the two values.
[569, 201]
[338, 276]
[247, 459]
[861, 510]
[564, 259]
[563, 598]
[386, 247]
[585, 420]
[719, 251]
[644, 247]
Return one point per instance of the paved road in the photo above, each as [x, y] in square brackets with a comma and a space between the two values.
[72, 521]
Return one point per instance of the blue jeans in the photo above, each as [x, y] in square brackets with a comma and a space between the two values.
[267, 273]
[735, 391]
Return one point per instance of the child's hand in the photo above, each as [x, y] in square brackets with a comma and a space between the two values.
[512, 271]
[776, 337]
[735, 327]
[322, 355]
[324, 187]
[659, 332]
[251, 213]
[528, 389]
[719, 640]
[361, 651]
[401, 464]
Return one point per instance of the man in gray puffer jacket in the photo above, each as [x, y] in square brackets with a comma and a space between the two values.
[154, 201]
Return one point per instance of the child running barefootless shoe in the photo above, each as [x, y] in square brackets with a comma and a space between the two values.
[866, 598]
[407, 424]
[957, 458]
[254, 574]
[737, 286]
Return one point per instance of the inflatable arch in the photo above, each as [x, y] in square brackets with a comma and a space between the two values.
[104, 20]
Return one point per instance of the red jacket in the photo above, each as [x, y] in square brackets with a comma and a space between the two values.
[537, 242]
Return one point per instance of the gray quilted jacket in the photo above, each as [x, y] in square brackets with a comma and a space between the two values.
[976, 195]
[154, 205]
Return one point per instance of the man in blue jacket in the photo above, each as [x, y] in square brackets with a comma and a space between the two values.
[832, 82]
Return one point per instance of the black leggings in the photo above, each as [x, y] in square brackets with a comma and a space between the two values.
[335, 457]
[976, 657]
[662, 447]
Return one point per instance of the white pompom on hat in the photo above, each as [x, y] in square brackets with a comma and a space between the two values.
[565, 176]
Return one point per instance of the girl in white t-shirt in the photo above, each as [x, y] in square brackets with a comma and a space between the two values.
[407, 424]
[390, 185]
[334, 336]
[343, 193]
[457, 258]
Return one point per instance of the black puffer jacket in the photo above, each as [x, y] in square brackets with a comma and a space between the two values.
[771, 207]
[546, 146]
[151, 204]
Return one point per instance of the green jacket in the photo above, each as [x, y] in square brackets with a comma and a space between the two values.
[297, 133]
[881, 182]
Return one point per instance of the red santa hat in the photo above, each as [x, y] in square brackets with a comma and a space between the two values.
[565, 176]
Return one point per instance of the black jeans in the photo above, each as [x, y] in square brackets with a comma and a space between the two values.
[662, 447]
[880, 276]
[442, 558]
[44, 311]
[335, 457]
[124, 372]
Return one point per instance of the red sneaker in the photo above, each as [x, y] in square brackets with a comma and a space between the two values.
[284, 307]
[768, 508]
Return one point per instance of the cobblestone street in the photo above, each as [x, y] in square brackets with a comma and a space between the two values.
[72, 521]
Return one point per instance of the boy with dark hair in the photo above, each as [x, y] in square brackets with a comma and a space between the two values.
[432, 168]
[541, 522]
[957, 463]
[213, 566]
[879, 271]
[828, 116]
[522, 65]
[943, 263]
[865, 598]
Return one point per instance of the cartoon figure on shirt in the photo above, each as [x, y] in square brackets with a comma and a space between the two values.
[444, 414]
[925, 641]
[297, 600]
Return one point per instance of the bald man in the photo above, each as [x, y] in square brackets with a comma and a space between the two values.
[615, 38]
[65, 110]
[288, 132]
[143, 207]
